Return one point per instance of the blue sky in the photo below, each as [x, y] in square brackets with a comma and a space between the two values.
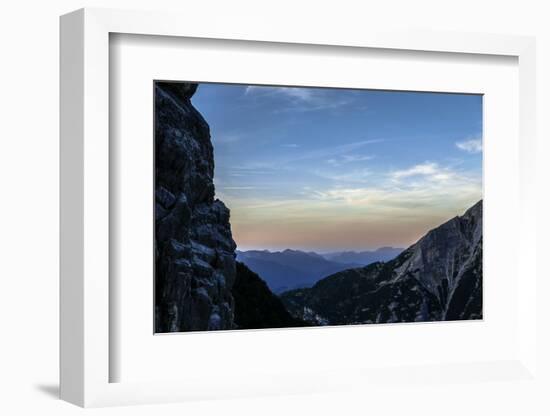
[335, 169]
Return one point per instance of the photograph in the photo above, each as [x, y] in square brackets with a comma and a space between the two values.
[291, 206]
[270, 208]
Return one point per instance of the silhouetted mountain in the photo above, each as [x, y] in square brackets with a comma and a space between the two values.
[438, 278]
[255, 306]
[289, 269]
[364, 257]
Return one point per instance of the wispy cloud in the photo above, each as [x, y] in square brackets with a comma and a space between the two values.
[330, 152]
[450, 189]
[344, 159]
[356, 158]
[358, 176]
[421, 175]
[252, 169]
[423, 169]
[301, 99]
[291, 145]
[302, 94]
[470, 145]
[334, 151]
[357, 207]
[352, 215]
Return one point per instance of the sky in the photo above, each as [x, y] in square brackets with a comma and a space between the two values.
[338, 169]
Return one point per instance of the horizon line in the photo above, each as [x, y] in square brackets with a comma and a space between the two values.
[280, 250]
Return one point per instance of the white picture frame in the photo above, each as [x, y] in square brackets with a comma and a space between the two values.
[85, 219]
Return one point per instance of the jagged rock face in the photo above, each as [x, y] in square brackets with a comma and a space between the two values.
[195, 251]
[448, 261]
[438, 278]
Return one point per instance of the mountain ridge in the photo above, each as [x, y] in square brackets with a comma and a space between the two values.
[289, 269]
[364, 257]
[437, 278]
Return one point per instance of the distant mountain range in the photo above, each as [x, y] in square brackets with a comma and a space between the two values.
[292, 269]
[364, 257]
[438, 278]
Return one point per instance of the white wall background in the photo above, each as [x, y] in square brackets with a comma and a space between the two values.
[29, 185]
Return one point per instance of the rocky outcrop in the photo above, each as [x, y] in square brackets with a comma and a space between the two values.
[438, 278]
[194, 248]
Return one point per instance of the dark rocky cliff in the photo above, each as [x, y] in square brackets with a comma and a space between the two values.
[438, 278]
[195, 252]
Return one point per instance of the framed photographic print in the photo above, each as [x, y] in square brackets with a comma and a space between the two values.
[260, 214]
